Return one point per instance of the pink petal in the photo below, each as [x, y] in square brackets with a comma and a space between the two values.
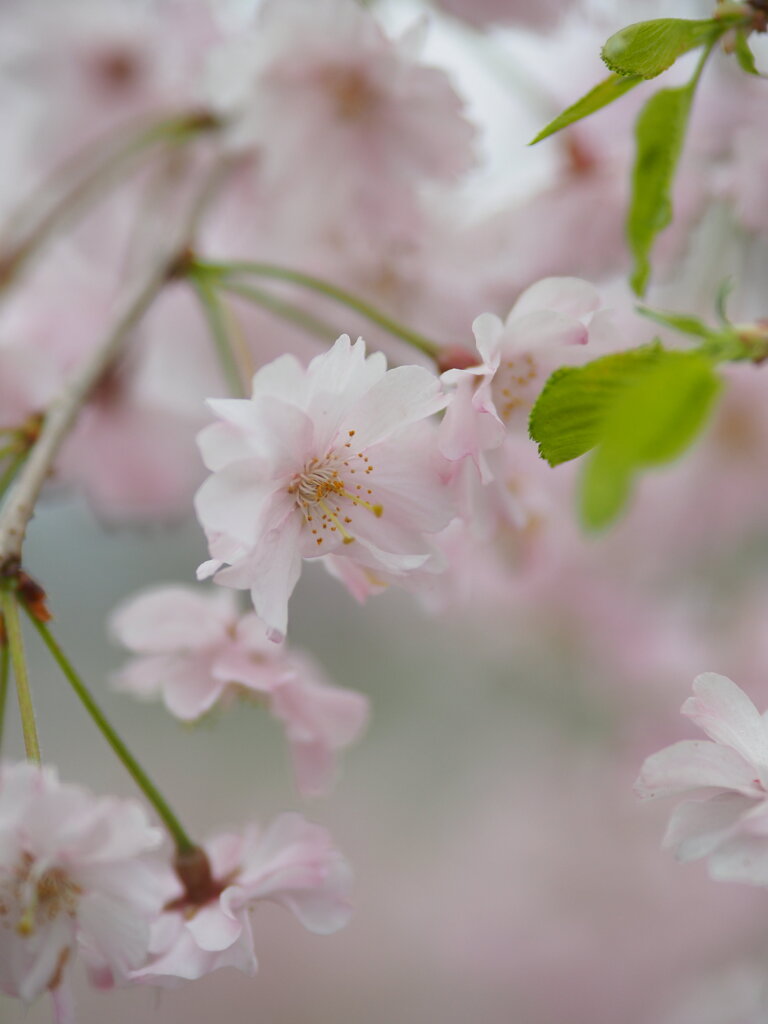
[405, 395]
[166, 619]
[272, 573]
[213, 929]
[488, 330]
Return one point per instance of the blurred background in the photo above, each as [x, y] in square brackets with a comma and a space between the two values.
[504, 871]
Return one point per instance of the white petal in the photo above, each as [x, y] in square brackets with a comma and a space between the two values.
[568, 295]
[694, 764]
[728, 716]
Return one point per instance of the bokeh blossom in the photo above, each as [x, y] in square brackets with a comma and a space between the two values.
[323, 78]
[197, 651]
[77, 879]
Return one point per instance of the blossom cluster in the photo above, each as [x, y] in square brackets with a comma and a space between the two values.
[337, 366]
[84, 875]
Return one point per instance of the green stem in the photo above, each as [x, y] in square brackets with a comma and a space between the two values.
[5, 664]
[331, 291]
[19, 661]
[183, 843]
[217, 324]
[286, 310]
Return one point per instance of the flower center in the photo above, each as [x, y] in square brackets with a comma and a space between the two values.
[37, 898]
[513, 385]
[328, 495]
[353, 94]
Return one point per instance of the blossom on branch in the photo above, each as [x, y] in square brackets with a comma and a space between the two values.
[340, 457]
[293, 863]
[74, 878]
[726, 820]
[548, 327]
[196, 651]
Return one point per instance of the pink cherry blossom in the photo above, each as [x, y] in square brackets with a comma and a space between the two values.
[726, 820]
[196, 651]
[547, 327]
[340, 457]
[74, 878]
[292, 863]
[323, 78]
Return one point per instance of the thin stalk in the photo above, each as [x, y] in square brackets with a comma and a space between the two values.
[5, 664]
[112, 165]
[217, 324]
[331, 291]
[285, 310]
[21, 676]
[183, 843]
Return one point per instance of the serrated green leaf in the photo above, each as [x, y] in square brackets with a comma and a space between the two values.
[610, 89]
[568, 416]
[659, 135]
[652, 421]
[649, 47]
[744, 54]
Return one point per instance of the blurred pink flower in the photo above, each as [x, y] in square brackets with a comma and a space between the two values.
[292, 863]
[105, 63]
[338, 457]
[727, 821]
[73, 878]
[196, 651]
[322, 78]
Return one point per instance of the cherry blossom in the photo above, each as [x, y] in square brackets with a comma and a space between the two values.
[197, 651]
[339, 458]
[726, 820]
[323, 78]
[292, 863]
[547, 327]
[75, 878]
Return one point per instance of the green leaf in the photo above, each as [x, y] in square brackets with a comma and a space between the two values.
[649, 47]
[678, 322]
[659, 134]
[744, 55]
[650, 422]
[633, 410]
[567, 419]
[610, 89]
